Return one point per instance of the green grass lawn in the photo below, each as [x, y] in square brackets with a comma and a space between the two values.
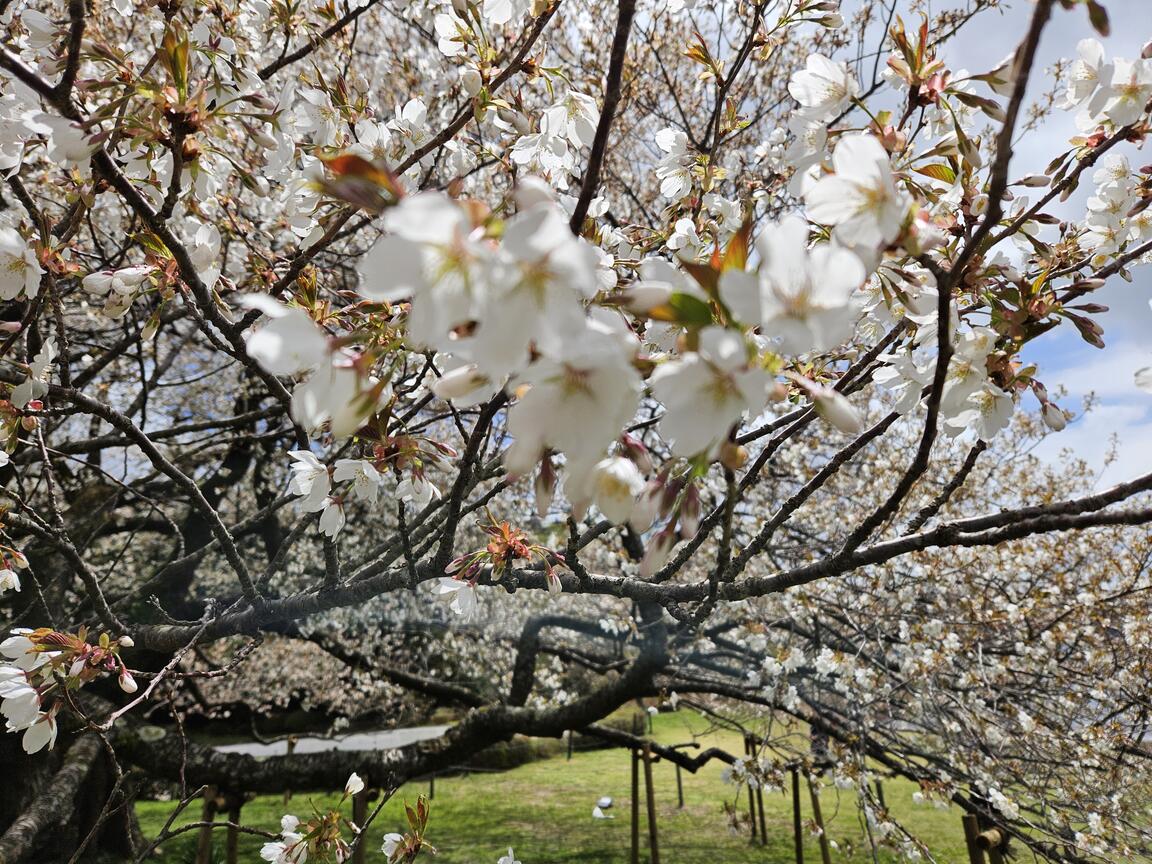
[544, 811]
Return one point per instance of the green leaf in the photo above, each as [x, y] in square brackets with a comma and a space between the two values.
[685, 309]
[938, 171]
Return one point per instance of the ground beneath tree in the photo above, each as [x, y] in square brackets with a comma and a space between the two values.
[544, 811]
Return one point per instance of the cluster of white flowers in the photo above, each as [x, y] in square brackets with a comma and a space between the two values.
[563, 130]
[24, 680]
[1099, 91]
[291, 848]
[39, 664]
[1115, 222]
[674, 170]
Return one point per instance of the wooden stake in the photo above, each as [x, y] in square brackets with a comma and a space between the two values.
[825, 852]
[360, 816]
[797, 827]
[204, 838]
[748, 751]
[291, 747]
[232, 839]
[653, 842]
[971, 832]
[880, 794]
[679, 789]
[763, 824]
[635, 806]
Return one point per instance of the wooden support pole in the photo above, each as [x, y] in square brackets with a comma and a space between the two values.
[679, 789]
[432, 787]
[635, 806]
[748, 753]
[971, 832]
[760, 808]
[570, 736]
[290, 744]
[232, 840]
[650, 793]
[360, 816]
[880, 794]
[797, 827]
[204, 838]
[825, 851]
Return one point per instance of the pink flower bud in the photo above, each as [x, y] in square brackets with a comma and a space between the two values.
[127, 682]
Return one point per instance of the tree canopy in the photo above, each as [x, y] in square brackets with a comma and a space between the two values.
[532, 357]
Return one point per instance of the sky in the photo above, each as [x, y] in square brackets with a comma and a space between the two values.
[1064, 359]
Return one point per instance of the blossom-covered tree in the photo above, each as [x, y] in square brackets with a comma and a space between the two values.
[698, 363]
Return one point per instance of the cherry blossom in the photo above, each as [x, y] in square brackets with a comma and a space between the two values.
[824, 87]
[860, 199]
[580, 396]
[804, 298]
[366, 480]
[40, 370]
[707, 391]
[986, 412]
[615, 482]
[289, 343]
[20, 271]
[461, 596]
[310, 479]
[1088, 71]
[673, 170]
[9, 580]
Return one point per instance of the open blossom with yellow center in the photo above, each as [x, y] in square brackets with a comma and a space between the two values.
[19, 269]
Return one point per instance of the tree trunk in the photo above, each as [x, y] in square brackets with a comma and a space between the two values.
[56, 803]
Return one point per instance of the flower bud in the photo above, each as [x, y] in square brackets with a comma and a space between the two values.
[126, 641]
[1035, 181]
[733, 456]
[635, 450]
[355, 785]
[127, 682]
[1053, 416]
[471, 81]
[837, 410]
[1083, 285]
[458, 383]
